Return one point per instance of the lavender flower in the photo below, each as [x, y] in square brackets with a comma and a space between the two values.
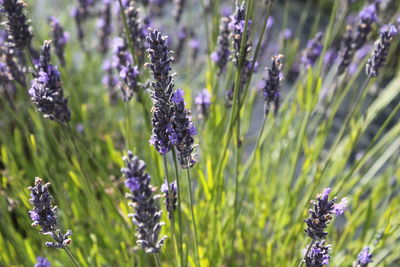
[340, 208]
[42, 262]
[17, 24]
[60, 38]
[221, 55]
[320, 216]
[367, 16]
[182, 38]
[104, 25]
[271, 87]
[45, 215]
[162, 90]
[179, 6]
[46, 91]
[364, 257]
[138, 34]
[170, 192]
[147, 214]
[313, 51]
[129, 75]
[347, 53]
[382, 45]
[80, 14]
[318, 255]
[203, 102]
[181, 130]
[194, 45]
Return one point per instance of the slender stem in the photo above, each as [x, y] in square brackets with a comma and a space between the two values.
[308, 251]
[128, 125]
[157, 260]
[172, 212]
[71, 257]
[193, 217]
[179, 204]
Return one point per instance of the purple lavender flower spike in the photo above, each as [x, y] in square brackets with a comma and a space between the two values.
[129, 75]
[42, 262]
[137, 32]
[18, 26]
[182, 130]
[318, 255]
[272, 85]
[46, 92]
[170, 193]
[364, 258]
[104, 25]
[60, 38]
[368, 17]
[320, 215]
[221, 55]
[147, 213]
[179, 6]
[340, 208]
[203, 102]
[182, 38]
[313, 51]
[163, 84]
[44, 215]
[348, 50]
[382, 46]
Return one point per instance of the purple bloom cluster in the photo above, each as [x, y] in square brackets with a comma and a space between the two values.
[179, 6]
[137, 32]
[221, 55]
[60, 38]
[318, 255]
[271, 87]
[348, 51]
[18, 25]
[364, 257]
[181, 130]
[170, 193]
[160, 62]
[313, 51]
[147, 214]
[203, 102]
[367, 16]
[42, 262]
[80, 14]
[382, 45]
[46, 92]
[104, 25]
[45, 215]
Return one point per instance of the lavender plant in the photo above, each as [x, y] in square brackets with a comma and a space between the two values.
[46, 92]
[147, 214]
[60, 38]
[271, 87]
[171, 198]
[221, 55]
[364, 258]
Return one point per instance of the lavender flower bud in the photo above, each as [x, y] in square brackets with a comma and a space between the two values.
[221, 55]
[138, 34]
[147, 214]
[181, 130]
[318, 255]
[203, 102]
[104, 25]
[364, 257]
[320, 215]
[42, 262]
[45, 215]
[60, 38]
[179, 6]
[348, 52]
[367, 16]
[382, 45]
[170, 193]
[271, 87]
[46, 91]
[17, 24]
[313, 51]
[129, 75]
[340, 208]
[194, 45]
[162, 90]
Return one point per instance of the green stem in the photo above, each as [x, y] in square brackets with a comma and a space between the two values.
[172, 213]
[30, 60]
[179, 204]
[157, 260]
[193, 217]
[308, 251]
[71, 257]
[128, 125]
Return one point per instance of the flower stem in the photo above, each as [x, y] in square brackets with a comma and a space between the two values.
[71, 257]
[308, 251]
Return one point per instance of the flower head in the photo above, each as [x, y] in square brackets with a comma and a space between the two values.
[221, 55]
[364, 257]
[60, 38]
[170, 192]
[46, 92]
[203, 102]
[318, 255]
[313, 51]
[147, 214]
[272, 84]
[42, 262]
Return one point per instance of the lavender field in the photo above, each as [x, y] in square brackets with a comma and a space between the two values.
[200, 133]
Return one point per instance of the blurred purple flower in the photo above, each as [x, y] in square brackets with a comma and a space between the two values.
[42, 262]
